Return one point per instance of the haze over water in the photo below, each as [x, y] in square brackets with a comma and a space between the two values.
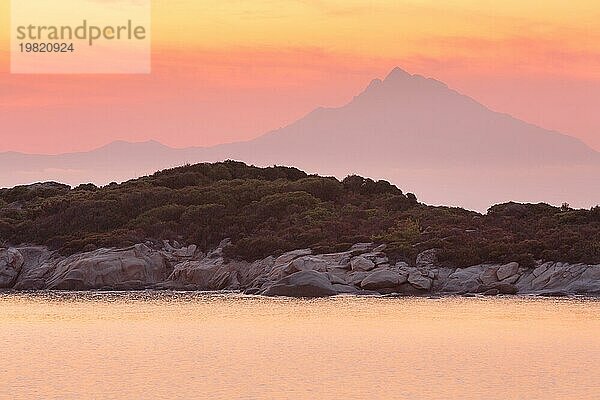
[165, 345]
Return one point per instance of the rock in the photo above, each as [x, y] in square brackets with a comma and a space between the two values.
[419, 281]
[362, 270]
[588, 282]
[11, 262]
[491, 292]
[336, 278]
[507, 270]
[291, 255]
[541, 269]
[218, 252]
[220, 279]
[39, 264]
[306, 263]
[378, 258]
[577, 269]
[512, 279]
[407, 289]
[360, 263]
[207, 274]
[488, 276]
[464, 280]
[382, 279]
[427, 257]
[109, 268]
[345, 289]
[361, 247]
[356, 278]
[551, 277]
[186, 251]
[30, 284]
[441, 278]
[167, 246]
[303, 284]
[506, 288]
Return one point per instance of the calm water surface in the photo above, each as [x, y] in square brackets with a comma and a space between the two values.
[166, 346]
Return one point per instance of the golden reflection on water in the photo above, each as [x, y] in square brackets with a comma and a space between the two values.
[169, 345]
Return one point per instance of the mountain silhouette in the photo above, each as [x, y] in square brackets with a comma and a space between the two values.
[411, 130]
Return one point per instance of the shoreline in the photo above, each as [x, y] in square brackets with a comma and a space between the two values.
[241, 294]
[363, 270]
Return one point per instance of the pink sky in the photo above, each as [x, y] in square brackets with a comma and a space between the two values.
[263, 72]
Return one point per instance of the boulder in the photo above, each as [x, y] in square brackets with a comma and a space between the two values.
[361, 248]
[306, 263]
[336, 278]
[419, 281]
[507, 270]
[356, 278]
[345, 289]
[383, 279]
[541, 269]
[512, 279]
[40, 264]
[302, 284]
[205, 274]
[505, 288]
[291, 255]
[464, 280]
[189, 251]
[11, 262]
[552, 277]
[134, 267]
[360, 263]
[587, 283]
[488, 276]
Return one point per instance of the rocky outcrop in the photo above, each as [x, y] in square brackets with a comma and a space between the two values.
[384, 278]
[11, 262]
[363, 269]
[307, 283]
[130, 268]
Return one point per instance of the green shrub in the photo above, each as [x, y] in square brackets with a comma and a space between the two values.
[270, 210]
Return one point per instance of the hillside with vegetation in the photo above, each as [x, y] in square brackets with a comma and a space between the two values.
[267, 211]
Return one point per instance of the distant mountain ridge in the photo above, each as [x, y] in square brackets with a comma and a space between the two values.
[414, 131]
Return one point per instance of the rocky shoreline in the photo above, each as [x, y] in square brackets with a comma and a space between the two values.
[363, 270]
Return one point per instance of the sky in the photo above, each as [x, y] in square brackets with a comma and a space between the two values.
[232, 70]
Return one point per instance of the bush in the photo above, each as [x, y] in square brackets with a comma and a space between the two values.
[266, 211]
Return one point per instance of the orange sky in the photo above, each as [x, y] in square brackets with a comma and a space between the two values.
[231, 70]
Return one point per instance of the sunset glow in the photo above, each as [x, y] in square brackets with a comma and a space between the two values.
[221, 70]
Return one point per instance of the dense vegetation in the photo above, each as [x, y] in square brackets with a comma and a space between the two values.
[271, 210]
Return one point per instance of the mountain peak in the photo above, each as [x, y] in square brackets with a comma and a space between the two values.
[396, 74]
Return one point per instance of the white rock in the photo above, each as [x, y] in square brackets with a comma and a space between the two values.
[381, 279]
[11, 262]
[360, 263]
[489, 276]
[289, 256]
[507, 270]
[303, 284]
[135, 266]
[419, 281]
[306, 263]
